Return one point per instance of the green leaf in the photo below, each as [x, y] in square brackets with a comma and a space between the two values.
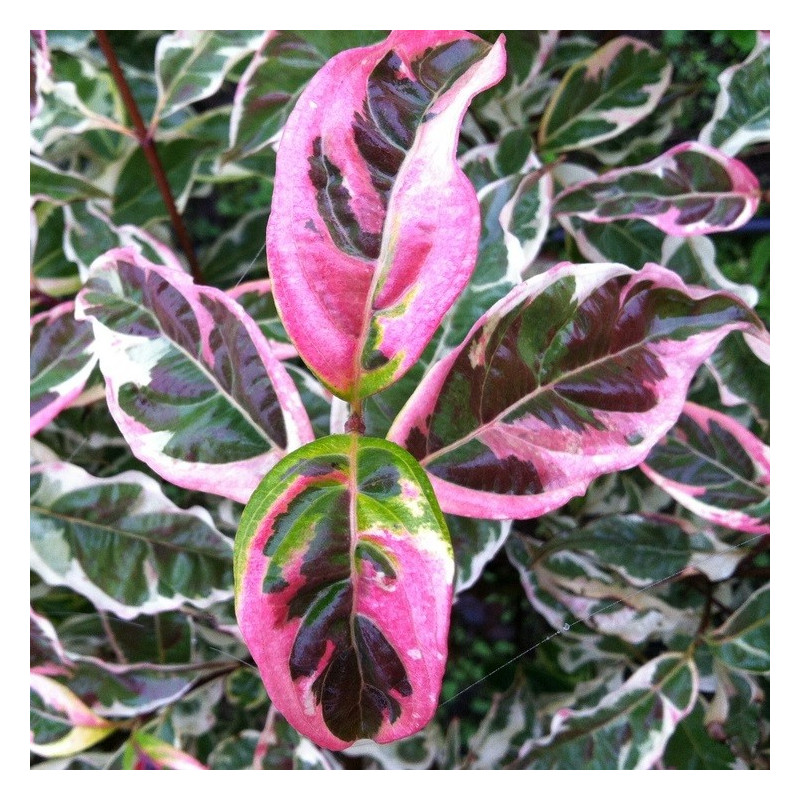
[691, 747]
[122, 544]
[60, 186]
[742, 643]
[191, 65]
[628, 729]
[137, 200]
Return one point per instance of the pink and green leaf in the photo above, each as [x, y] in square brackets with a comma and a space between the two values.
[741, 115]
[343, 573]
[715, 467]
[62, 358]
[374, 228]
[61, 724]
[604, 95]
[279, 71]
[121, 543]
[575, 373]
[256, 298]
[691, 189]
[190, 379]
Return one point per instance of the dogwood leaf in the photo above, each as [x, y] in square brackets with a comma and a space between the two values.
[374, 228]
[343, 573]
[575, 373]
[193, 385]
[715, 467]
[690, 189]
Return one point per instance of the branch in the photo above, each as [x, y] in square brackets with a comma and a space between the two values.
[150, 153]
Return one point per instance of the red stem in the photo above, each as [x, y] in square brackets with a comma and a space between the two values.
[150, 153]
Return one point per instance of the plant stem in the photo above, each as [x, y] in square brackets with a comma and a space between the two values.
[148, 145]
[112, 640]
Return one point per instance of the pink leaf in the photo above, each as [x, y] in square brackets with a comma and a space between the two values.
[691, 189]
[575, 373]
[374, 228]
[716, 468]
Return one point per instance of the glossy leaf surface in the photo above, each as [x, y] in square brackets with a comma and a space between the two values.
[715, 467]
[120, 542]
[604, 95]
[575, 373]
[62, 357]
[742, 114]
[193, 385]
[374, 228]
[343, 573]
[690, 189]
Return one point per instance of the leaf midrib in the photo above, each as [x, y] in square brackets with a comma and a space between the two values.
[541, 389]
[199, 363]
[647, 88]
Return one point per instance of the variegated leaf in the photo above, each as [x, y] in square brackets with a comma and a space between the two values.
[715, 467]
[741, 114]
[62, 358]
[280, 69]
[121, 543]
[131, 690]
[374, 228]
[145, 751]
[509, 725]
[191, 65]
[604, 95]
[569, 584]
[61, 724]
[89, 233]
[255, 297]
[59, 186]
[414, 752]
[575, 373]
[475, 544]
[521, 92]
[515, 215]
[694, 259]
[626, 241]
[689, 190]
[742, 643]
[77, 97]
[343, 573]
[628, 729]
[40, 68]
[48, 656]
[741, 376]
[193, 385]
